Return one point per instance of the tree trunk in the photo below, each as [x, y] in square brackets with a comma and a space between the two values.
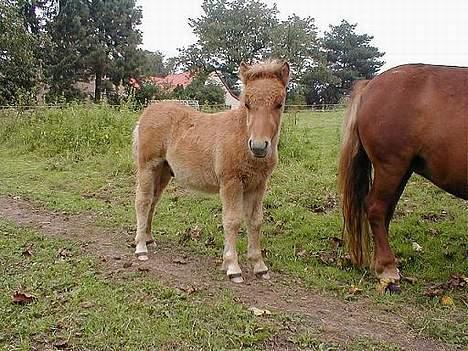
[98, 86]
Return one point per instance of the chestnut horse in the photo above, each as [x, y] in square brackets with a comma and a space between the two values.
[412, 118]
[232, 153]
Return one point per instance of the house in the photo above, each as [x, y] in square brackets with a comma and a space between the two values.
[230, 98]
[184, 79]
[171, 81]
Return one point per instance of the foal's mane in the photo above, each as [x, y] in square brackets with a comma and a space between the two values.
[264, 70]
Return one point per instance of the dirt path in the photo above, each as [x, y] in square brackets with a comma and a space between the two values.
[333, 319]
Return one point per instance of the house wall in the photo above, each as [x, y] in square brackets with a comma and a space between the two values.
[229, 99]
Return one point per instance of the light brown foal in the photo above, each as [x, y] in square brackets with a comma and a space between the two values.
[232, 153]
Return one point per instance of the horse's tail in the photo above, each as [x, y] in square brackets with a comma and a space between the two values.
[354, 181]
[135, 140]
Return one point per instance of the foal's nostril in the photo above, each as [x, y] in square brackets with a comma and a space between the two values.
[259, 148]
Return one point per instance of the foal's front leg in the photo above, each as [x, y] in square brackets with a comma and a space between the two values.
[253, 213]
[231, 198]
[144, 207]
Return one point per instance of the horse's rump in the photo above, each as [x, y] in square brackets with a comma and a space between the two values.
[419, 113]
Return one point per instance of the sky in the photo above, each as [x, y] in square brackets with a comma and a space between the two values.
[408, 31]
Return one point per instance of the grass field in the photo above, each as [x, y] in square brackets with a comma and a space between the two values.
[78, 160]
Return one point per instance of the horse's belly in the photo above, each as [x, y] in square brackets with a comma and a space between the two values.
[196, 178]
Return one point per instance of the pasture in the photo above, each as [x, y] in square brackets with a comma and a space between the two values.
[73, 166]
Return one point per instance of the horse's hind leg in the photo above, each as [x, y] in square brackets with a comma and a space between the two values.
[389, 182]
[151, 181]
[231, 197]
[253, 214]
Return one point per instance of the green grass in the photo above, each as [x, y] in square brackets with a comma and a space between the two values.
[89, 168]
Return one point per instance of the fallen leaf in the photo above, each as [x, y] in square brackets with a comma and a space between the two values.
[86, 304]
[456, 281]
[411, 280]
[20, 298]
[179, 260]
[433, 291]
[188, 289]
[301, 253]
[127, 264]
[328, 258]
[354, 290]
[143, 269]
[259, 312]
[27, 251]
[337, 242]
[417, 247]
[61, 344]
[63, 253]
[446, 300]
[210, 241]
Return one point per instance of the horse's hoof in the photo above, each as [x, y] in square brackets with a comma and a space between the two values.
[263, 275]
[388, 285]
[142, 256]
[393, 288]
[236, 278]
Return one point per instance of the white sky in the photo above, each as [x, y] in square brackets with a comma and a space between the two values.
[408, 31]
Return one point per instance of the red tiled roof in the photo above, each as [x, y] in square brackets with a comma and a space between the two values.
[173, 80]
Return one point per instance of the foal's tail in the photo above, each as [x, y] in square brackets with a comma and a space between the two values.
[354, 181]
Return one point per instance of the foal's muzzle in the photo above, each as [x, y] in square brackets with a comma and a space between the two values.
[259, 148]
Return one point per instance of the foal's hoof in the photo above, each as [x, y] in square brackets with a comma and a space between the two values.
[236, 278]
[263, 275]
[142, 256]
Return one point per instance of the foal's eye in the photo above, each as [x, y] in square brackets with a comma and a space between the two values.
[247, 105]
[279, 105]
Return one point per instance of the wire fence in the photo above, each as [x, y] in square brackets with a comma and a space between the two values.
[211, 107]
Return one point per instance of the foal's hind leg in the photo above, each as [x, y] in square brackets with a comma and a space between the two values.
[389, 182]
[151, 181]
[231, 197]
[253, 213]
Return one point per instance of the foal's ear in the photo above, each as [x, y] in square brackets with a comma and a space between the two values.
[243, 70]
[284, 73]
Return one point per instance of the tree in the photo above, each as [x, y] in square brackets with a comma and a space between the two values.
[154, 64]
[350, 56]
[65, 63]
[321, 86]
[205, 92]
[112, 39]
[93, 38]
[296, 41]
[229, 32]
[18, 67]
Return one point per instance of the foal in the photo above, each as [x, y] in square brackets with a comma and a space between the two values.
[232, 153]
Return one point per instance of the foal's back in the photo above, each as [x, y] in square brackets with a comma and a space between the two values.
[195, 145]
